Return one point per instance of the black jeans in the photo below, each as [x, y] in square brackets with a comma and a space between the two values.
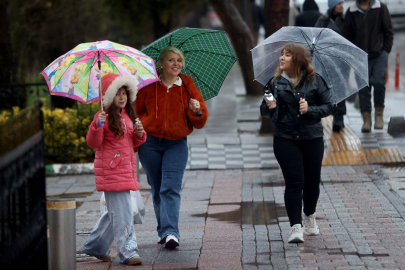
[301, 163]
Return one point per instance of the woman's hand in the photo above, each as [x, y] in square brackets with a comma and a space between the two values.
[103, 116]
[303, 106]
[139, 130]
[194, 105]
[272, 105]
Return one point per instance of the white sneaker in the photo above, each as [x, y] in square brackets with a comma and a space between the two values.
[310, 227]
[296, 235]
[171, 241]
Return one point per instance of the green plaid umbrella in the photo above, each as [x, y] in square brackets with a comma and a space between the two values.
[209, 57]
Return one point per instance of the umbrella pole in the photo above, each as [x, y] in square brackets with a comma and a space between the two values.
[99, 89]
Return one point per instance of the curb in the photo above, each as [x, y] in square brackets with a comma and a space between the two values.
[69, 168]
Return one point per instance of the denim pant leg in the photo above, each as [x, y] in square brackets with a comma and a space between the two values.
[164, 162]
[378, 78]
[119, 205]
[119, 226]
[151, 157]
[173, 166]
[377, 70]
[101, 237]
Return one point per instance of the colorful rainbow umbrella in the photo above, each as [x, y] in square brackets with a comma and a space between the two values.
[77, 73]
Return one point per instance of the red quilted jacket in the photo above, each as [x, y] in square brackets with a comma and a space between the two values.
[115, 163]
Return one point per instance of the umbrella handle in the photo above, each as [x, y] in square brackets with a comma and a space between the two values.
[198, 112]
[100, 123]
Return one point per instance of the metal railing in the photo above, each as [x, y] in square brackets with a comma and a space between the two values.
[23, 237]
[14, 94]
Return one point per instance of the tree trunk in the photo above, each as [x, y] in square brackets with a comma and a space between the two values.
[242, 41]
[276, 16]
[7, 64]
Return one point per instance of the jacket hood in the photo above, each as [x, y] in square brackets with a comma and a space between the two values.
[310, 5]
[110, 84]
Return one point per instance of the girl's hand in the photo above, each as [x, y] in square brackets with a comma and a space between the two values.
[272, 105]
[303, 106]
[139, 130]
[194, 105]
[103, 116]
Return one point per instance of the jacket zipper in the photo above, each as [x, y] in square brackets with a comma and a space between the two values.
[130, 161]
[116, 155]
[166, 110]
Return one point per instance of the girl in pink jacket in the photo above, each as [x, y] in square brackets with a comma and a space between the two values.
[114, 134]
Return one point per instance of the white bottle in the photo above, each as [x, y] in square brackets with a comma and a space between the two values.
[268, 97]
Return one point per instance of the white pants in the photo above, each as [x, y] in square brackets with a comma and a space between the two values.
[115, 224]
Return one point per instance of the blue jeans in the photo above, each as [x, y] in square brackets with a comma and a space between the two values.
[164, 162]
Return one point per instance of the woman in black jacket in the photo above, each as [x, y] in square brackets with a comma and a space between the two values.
[301, 100]
[335, 20]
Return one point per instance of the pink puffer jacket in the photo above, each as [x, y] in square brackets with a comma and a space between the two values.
[115, 163]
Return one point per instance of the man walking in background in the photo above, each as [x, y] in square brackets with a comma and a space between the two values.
[368, 25]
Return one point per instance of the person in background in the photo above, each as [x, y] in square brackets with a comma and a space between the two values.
[115, 169]
[368, 25]
[334, 20]
[169, 115]
[257, 19]
[301, 99]
[293, 13]
[309, 16]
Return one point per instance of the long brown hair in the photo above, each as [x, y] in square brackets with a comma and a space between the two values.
[301, 61]
[114, 118]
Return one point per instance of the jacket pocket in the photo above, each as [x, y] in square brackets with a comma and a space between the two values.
[116, 160]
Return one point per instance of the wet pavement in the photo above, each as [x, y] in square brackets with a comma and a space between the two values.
[236, 219]
[232, 214]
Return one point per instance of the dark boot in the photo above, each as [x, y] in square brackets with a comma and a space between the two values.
[379, 121]
[367, 122]
[338, 122]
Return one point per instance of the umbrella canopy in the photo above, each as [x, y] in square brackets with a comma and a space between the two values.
[209, 57]
[342, 65]
[76, 74]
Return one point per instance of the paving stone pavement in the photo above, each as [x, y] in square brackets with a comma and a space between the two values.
[236, 219]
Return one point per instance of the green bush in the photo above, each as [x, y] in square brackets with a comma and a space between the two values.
[65, 132]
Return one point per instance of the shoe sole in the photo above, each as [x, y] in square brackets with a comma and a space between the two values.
[135, 262]
[295, 240]
[104, 259]
[171, 244]
[311, 233]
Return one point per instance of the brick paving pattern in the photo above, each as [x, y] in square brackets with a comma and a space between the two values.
[236, 219]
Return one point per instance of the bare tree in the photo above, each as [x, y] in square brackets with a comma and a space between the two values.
[242, 41]
[276, 16]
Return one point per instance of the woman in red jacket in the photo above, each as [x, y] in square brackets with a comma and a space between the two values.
[168, 108]
[115, 169]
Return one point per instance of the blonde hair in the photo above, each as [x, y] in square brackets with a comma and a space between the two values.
[168, 49]
[301, 61]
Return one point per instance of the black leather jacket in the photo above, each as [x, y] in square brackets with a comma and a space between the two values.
[290, 123]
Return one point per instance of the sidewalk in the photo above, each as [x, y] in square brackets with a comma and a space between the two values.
[236, 219]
